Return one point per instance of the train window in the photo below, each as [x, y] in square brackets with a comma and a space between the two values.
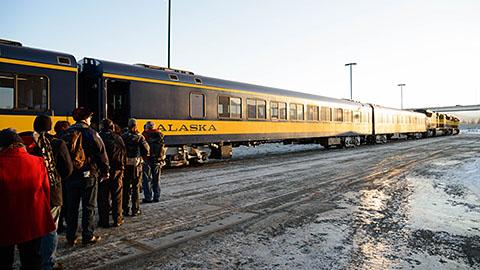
[32, 92]
[252, 108]
[198, 81]
[229, 107]
[312, 113]
[223, 106]
[338, 115]
[300, 112]
[197, 105]
[257, 109]
[173, 77]
[347, 116]
[261, 109]
[282, 108]
[64, 60]
[7, 90]
[293, 111]
[274, 110]
[235, 108]
[325, 114]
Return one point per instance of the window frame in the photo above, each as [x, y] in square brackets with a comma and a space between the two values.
[229, 107]
[280, 110]
[277, 107]
[256, 101]
[316, 113]
[15, 92]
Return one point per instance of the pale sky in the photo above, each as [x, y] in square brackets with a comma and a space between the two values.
[430, 45]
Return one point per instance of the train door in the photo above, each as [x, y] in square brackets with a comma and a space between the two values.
[118, 101]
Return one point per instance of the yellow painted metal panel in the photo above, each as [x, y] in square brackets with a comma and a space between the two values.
[25, 122]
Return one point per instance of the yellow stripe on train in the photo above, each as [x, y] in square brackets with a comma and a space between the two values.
[25, 122]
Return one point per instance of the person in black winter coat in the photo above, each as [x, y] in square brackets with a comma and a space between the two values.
[137, 150]
[90, 163]
[112, 188]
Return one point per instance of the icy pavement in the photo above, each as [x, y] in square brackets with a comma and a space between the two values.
[408, 204]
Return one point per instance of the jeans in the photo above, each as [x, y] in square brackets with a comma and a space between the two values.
[29, 255]
[84, 189]
[49, 242]
[131, 188]
[151, 180]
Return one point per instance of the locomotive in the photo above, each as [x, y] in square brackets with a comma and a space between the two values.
[200, 116]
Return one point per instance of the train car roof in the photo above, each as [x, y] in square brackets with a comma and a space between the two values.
[144, 72]
[14, 50]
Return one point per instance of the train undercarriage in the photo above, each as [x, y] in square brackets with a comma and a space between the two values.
[187, 155]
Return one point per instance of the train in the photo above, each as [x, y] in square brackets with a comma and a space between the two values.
[201, 117]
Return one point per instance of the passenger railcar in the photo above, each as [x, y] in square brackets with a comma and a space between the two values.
[200, 111]
[34, 81]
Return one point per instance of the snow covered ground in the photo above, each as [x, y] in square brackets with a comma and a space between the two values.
[403, 205]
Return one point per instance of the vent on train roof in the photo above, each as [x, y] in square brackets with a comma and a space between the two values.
[10, 42]
[165, 69]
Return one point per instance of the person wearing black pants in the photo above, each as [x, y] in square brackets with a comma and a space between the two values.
[84, 189]
[111, 189]
[29, 255]
[137, 151]
[90, 162]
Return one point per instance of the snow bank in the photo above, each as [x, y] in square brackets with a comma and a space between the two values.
[470, 130]
[448, 199]
[271, 148]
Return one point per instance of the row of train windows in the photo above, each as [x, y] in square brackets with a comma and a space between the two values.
[231, 107]
[399, 119]
[23, 92]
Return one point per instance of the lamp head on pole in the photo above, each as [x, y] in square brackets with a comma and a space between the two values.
[401, 84]
[350, 64]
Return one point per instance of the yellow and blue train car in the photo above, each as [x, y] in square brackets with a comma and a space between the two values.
[197, 110]
[34, 81]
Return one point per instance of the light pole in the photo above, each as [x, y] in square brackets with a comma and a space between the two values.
[169, 13]
[401, 94]
[351, 91]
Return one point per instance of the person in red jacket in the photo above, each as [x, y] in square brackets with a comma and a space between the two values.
[24, 203]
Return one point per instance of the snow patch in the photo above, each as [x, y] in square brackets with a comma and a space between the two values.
[271, 148]
[449, 203]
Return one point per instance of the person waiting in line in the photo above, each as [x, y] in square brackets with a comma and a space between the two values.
[60, 128]
[90, 164]
[112, 188]
[154, 163]
[137, 147]
[24, 203]
[59, 166]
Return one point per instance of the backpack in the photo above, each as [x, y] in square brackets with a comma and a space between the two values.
[74, 140]
[132, 140]
[157, 146]
[116, 151]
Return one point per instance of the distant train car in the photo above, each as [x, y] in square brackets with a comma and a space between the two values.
[35, 81]
[389, 123]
